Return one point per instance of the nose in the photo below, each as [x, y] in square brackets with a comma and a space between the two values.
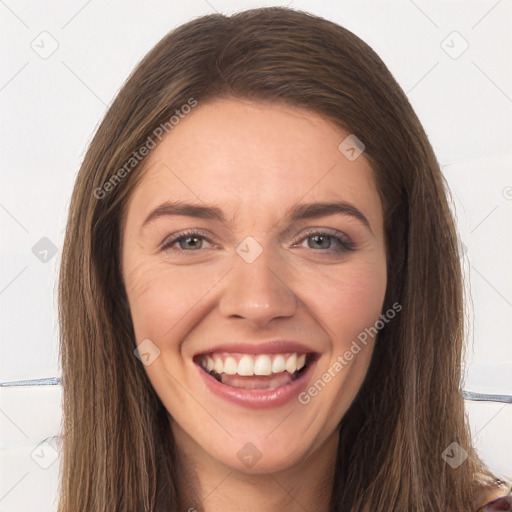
[257, 291]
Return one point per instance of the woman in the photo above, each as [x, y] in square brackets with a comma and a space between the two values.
[260, 293]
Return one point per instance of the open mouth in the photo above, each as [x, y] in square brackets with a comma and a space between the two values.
[255, 371]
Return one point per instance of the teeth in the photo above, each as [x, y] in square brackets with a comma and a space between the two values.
[218, 365]
[291, 363]
[248, 365]
[278, 364]
[230, 366]
[262, 365]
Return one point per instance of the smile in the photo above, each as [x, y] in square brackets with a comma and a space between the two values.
[256, 380]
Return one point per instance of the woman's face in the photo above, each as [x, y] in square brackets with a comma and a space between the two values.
[266, 279]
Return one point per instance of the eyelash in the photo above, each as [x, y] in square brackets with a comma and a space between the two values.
[344, 245]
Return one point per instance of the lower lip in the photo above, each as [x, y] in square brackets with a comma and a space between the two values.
[258, 398]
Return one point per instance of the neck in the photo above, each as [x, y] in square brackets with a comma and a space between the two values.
[206, 485]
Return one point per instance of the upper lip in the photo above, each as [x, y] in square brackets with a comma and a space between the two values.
[260, 347]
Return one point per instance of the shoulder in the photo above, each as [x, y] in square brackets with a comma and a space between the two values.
[488, 489]
[496, 500]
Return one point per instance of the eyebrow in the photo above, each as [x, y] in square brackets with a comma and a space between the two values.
[298, 212]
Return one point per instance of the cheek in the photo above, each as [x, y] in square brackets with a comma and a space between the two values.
[161, 297]
[348, 298]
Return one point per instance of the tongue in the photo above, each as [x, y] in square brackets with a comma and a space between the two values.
[257, 381]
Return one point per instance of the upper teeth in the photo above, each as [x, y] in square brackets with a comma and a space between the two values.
[246, 364]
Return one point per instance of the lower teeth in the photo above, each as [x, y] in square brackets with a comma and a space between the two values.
[218, 377]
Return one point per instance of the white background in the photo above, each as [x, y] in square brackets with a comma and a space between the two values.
[50, 108]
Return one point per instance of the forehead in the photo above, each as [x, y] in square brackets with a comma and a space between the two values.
[254, 159]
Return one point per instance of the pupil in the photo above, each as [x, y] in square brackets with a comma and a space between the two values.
[191, 241]
[318, 239]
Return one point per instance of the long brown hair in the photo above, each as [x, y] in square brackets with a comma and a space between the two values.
[118, 452]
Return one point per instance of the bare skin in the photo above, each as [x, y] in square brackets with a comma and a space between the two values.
[255, 161]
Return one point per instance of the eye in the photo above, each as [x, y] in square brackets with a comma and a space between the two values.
[320, 240]
[326, 241]
[186, 241]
